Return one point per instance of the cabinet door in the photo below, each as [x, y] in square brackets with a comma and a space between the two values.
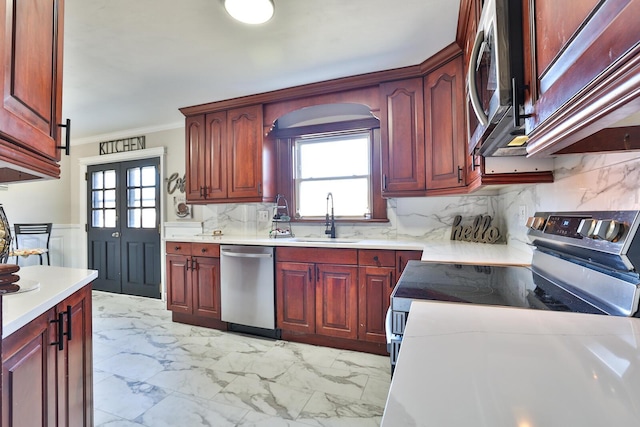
[179, 284]
[444, 126]
[31, 71]
[206, 287]
[215, 155]
[196, 158]
[336, 300]
[295, 297]
[29, 389]
[75, 368]
[374, 296]
[402, 132]
[244, 159]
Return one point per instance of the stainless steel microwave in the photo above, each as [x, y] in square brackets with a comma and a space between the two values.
[495, 81]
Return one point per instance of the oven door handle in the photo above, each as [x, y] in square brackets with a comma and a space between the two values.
[471, 80]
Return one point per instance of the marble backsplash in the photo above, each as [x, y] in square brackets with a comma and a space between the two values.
[409, 219]
[582, 182]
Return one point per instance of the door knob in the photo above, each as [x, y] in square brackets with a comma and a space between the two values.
[115, 234]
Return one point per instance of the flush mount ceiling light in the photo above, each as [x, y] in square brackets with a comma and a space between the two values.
[250, 11]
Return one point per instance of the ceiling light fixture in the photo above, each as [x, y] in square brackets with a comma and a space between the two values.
[250, 11]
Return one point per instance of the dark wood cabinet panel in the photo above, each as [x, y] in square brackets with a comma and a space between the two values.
[29, 375]
[403, 257]
[582, 77]
[402, 134]
[31, 72]
[206, 287]
[193, 279]
[44, 385]
[445, 140]
[295, 297]
[75, 368]
[196, 158]
[336, 301]
[224, 156]
[374, 297]
[179, 284]
[244, 161]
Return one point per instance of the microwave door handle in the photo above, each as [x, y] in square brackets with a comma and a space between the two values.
[471, 77]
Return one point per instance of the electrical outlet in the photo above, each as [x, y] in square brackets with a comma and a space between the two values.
[522, 213]
[263, 216]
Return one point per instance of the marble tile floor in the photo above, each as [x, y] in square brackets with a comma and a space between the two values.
[150, 371]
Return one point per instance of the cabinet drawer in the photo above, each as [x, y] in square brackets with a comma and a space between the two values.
[179, 248]
[205, 249]
[318, 256]
[377, 257]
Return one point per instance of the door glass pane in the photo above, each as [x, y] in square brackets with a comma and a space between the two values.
[97, 180]
[133, 198]
[110, 179]
[149, 176]
[148, 218]
[133, 177]
[110, 198]
[97, 219]
[97, 201]
[110, 218]
[149, 197]
[133, 218]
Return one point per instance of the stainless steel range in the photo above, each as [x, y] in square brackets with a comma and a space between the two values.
[585, 262]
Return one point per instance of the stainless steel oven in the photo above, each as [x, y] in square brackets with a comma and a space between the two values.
[585, 262]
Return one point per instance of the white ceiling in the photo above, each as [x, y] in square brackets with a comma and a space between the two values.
[130, 64]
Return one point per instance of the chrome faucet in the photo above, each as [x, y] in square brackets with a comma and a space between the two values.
[330, 220]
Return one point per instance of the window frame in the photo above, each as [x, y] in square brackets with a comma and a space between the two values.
[285, 181]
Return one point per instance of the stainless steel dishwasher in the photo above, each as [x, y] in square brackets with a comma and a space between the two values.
[247, 290]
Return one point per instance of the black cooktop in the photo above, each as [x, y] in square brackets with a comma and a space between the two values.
[483, 284]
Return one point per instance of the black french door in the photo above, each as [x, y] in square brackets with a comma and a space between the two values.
[123, 226]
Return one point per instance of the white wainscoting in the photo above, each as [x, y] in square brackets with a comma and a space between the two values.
[65, 247]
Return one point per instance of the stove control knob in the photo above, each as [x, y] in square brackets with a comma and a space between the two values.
[535, 222]
[608, 229]
[587, 227]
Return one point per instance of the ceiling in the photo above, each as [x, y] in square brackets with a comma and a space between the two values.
[129, 65]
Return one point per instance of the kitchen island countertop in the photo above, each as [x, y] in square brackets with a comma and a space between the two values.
[56, 284]
[463, 365]
[432, 250]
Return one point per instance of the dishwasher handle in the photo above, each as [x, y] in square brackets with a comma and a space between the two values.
[227, 252]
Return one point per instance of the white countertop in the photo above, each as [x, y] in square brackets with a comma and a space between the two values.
[472, 365]
[433, 250]
[56, 284]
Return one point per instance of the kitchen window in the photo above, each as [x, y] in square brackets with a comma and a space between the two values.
[340, 165]
[342, 159]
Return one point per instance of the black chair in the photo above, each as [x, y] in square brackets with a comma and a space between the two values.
[31, 230]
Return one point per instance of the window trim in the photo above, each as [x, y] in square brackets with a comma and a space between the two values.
[285, 185]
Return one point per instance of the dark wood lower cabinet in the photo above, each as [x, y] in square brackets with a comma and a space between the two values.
[337, 301]
[295, 297]
[193, 283]
[376, 284]
[43, 384]
[338, 304]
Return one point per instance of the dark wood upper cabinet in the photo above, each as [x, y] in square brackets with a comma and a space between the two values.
[445, 140]
[225, 153]
[31, 72]
[582, 65]
[402, 131]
